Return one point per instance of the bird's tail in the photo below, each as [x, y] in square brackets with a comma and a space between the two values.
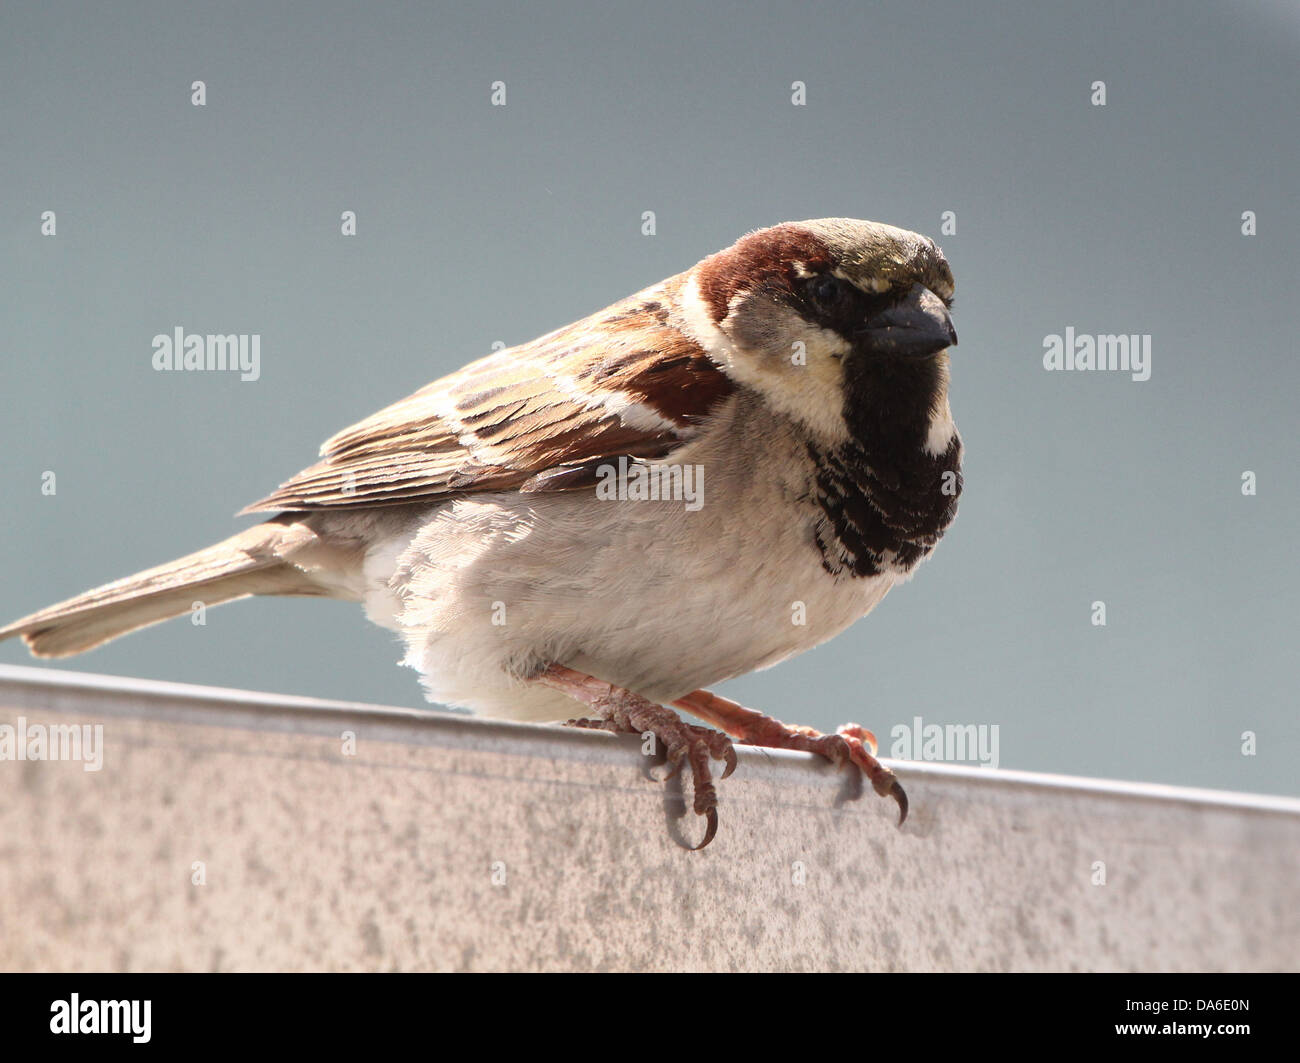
[252, 562]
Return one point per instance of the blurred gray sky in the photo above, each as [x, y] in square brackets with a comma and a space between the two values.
[478, 223]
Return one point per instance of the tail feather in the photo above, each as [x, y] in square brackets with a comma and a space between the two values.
[251, 562]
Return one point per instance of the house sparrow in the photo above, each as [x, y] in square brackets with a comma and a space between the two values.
[796, 381]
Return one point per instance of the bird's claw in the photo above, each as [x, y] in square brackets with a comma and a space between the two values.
[897, 792]
[710, 829]
[850, 744]
[719, 745]
[623, 712]
[856, 730]
[861, 746]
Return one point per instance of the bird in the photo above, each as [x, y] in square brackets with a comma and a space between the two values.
[699, 481]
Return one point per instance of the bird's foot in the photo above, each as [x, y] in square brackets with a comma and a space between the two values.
[851, 743]
[624, 712]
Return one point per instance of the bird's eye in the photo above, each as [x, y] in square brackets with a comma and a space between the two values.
[825, 290]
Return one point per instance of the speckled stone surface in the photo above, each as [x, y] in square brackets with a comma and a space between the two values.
[453, 844]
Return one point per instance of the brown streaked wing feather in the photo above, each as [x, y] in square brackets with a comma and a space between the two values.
[621, 382]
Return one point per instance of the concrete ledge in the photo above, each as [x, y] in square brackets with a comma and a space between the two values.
[452, 843]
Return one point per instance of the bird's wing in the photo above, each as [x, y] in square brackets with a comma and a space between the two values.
[537, 417]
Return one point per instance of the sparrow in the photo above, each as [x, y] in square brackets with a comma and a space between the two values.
[521, 523]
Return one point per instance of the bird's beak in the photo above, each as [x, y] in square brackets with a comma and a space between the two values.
[915, 326]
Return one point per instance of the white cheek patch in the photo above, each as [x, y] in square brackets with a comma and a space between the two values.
[805, 386]
[823, 343]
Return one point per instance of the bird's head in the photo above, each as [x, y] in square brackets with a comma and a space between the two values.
[822, 317]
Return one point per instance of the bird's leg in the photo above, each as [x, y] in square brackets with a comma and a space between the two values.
[624, 712]
[850, 744]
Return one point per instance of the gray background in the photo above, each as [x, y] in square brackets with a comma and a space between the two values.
[479, 223]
